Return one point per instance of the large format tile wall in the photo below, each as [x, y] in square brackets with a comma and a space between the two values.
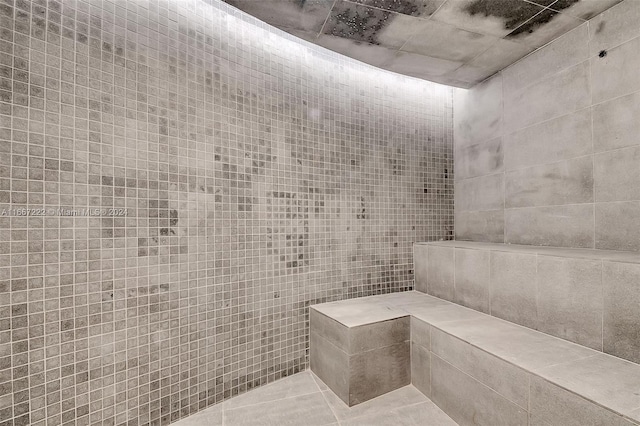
[242, 176]
[547, 152]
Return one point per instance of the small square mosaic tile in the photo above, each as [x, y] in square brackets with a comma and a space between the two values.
[178, 183]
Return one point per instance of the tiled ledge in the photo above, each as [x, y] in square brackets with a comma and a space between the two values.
[483, 370]
[589, 297]
[577, 253]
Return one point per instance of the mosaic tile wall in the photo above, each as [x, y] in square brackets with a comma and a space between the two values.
[178, 183]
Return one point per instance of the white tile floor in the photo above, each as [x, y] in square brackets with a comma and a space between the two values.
[303, 399]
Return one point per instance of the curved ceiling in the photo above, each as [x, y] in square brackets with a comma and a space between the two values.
[454, 42]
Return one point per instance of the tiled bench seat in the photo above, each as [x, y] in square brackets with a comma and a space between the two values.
[589, 297]
[482, 370]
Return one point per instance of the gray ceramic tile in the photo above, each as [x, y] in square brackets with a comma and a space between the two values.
[404, 299]
[617, 176]
[591, 254]
[210, 416]
[618, 226]
[383, 333]
[399, 31]
[526, 348]
[544, 27]
[421, 369]
[321, 385]
[479, 116]
[447, 42]
[479, 159]
[565, 182]
[615, 124]
[440, 274]
[397, 399]
[562, 93]
[480, 193]
[330, 364]
[584, 9]
[330, 329]
[513, 288]
[241, 165]
[309, 409]
[562, 138]
[421, 333]
[472, 279]
[535, 420]
[477, 245]
[422, 66]
[423, 8]
[500, 55]
[603, 379]
[379, 371]
[420, 266]
[414, 415]
[356, 312]
[437, 315]
[614, 27]
[309, 17]
[480, 226]
[558, 407]
[560, 226]
[296, 385]
[570, 299]
[357, 22]
[621, 283]
[373, 54]
[498, 20]
[509, 381]
[473, 75]
[467, 401]
[566, 51]
[616, 74]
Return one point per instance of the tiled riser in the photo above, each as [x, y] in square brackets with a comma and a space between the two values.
[595, 303]
[251, 175]
[554, 157]
[476, 388]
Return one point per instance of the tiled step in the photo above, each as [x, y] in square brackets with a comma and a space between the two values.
[483, 370]
[589, 297]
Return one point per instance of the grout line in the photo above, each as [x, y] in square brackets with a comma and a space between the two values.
[602, 304]
[271, 401]
[430, 363]
[537, 290]
[504, 169]
[326, 19]
[430, 18]
[532, 166]
[477, 380]
[454, 296]
[329, 405]
[529, 396]
[593, 156]
[490, 282]
[315, 380]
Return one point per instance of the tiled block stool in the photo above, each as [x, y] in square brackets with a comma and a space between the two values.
[360, 350]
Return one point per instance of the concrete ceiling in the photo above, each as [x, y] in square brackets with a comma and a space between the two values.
[454, 42]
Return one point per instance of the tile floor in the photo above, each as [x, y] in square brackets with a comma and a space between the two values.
[303, 399]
